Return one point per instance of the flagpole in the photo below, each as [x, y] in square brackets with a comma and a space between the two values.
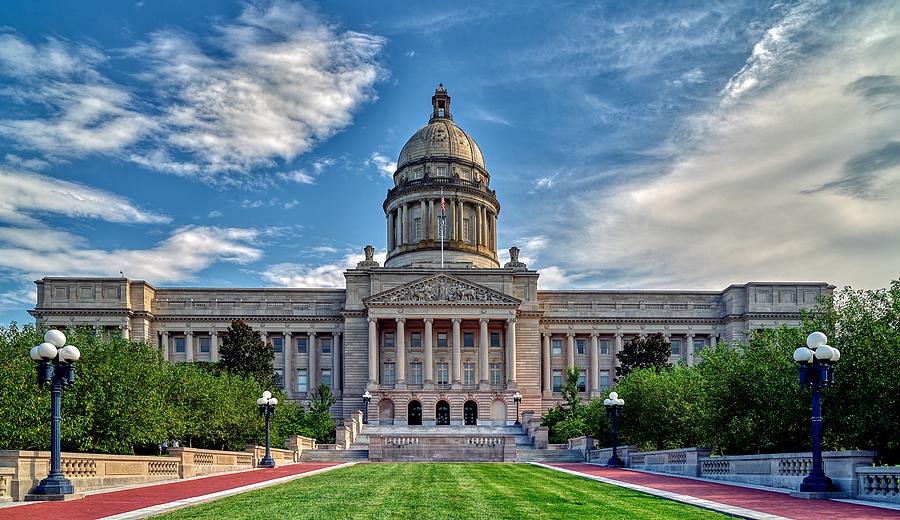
[443, 227]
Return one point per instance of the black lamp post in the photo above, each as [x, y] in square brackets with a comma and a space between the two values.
[366, 398]
[815, 365]
[614, 410]
[56, 368]
[267, 405]
[517, 397]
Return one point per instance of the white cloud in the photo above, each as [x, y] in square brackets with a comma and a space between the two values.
[291, 204]
[410, 54]
[25, 194]
[298, 176]
[54, 57]
[214, 214]
[552, 278]
[330, 275]
[18, 298]
[251, 204]
[385, 166]
[490, 117]
[21, 163]
[545, 182]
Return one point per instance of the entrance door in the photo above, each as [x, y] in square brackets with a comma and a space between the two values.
[442, 413]
[470, 413]
[414, 417]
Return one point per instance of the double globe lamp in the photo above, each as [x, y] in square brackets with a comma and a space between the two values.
[267, 405]
[613, 410]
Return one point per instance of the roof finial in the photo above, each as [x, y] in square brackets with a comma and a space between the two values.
[440, 102]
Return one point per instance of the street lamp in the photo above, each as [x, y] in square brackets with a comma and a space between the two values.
[56, 368]
[517, 397]
[267, 405]
[366, 398]
[614, 410]
[815, 364]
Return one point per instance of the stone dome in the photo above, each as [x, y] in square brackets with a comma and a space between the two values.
[440, 139]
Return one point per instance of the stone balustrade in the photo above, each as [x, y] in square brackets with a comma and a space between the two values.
[195, 461]
[878, 483]
[280, 456]
[583, 444]
[299, 443]
[602, 455]
[6, 476]
[442, 448]
[683, 461]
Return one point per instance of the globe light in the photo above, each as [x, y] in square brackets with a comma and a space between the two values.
[607, 402]
[824, 352]
[267, 394]
[803, 355]
[273, 401]
[35, 355]
[46, 351]
[816, 340]
[613, 396]
[55, 338]
[261, 401]
[835, 355]
[367, 395]
[621, 402]
[69, 354]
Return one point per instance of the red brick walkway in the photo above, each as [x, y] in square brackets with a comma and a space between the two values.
[114, 502]
[770, 502]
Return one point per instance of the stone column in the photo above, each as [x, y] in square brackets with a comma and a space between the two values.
[511, 351]
[450, 221]
[290, 380]
[689, 349]
[461, 219]
[189, 345]
[545, 355]
[336, 363]
[432, 221]
[214, 345]
[477, 226]
[165, 345]
[313, 365]
[484, 226]
[618, 349]
[570, 350]
[595, 364]
[400, 341]
[712, 340]
[404, 225]
[456, 354]
[483, 345]
[373, 351]
[391, 236]
[423, 221]
[429, 354]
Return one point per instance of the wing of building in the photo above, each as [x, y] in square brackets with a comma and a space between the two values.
[441, 334]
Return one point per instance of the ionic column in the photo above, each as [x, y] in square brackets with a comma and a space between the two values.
[450, 220]
[712, 340]
[432, 221]
[400, 341]
[391, 234]
[404, 225]
[595, 364]
[483, 345]
[336, 363]
[373, 351]
[313, 364]
[545, 358]
[288, 353]
[189, 346]
[165, 345]
[570, 350]
[461, 219]
[618, 349]
[422, 220]
[429, 354]
[477, 223]
[456, 354]
[484, 226]
[510, 351]
[689, 350]
[214, 345]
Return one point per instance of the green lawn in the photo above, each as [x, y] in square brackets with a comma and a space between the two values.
[442, 491]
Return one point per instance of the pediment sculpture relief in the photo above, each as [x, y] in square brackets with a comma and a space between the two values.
[442, 289]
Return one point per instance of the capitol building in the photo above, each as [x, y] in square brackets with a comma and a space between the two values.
[442, 333]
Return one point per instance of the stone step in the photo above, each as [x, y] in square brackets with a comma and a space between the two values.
[334, 455]
[532, 455]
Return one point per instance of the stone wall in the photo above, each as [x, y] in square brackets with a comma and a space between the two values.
[423, 448]
[684, 461]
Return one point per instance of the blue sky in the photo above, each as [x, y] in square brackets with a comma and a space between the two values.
[633, 145]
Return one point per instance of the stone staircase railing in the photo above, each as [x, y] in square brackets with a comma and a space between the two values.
[346, 435]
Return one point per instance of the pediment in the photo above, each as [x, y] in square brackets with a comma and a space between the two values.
[440, 289]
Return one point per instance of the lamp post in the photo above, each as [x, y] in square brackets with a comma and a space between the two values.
[517, 397]
[267, 405]
[815, 364]
[366, 398]
[56, 368]
[614, 410]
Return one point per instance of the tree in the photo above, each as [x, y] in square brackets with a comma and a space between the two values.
[317, 422]
[650, 352]
[245, 354]
[570, 391]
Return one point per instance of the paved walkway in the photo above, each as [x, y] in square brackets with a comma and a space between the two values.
[154, 499]
[735, 500]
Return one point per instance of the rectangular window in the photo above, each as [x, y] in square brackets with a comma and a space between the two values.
[302, 345]
[326, 376]
[699, 343]
[415, 339]
[302, 380]
[443, 376]
[390, 374]
[676, 347]
[581, 381]
[325, 343]
[557, 380]
[204, 344]
[604, 378]
[278, 343]
[496, 373]
[555, 346]
[468, 373]
[466, 231]
[388, 340]
[495, 339]
[604, 346]
[179, 345]
[415, 373]
[469, 339]
[580, 346]
[442, 340]
[279, 377]
[417, 223]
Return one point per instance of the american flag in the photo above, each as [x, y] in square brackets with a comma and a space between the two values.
[443, 205]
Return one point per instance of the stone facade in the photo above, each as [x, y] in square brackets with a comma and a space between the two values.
[441, 334]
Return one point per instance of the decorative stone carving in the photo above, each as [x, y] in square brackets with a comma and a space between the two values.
[442, 289]
[370, 258]
[514, 262]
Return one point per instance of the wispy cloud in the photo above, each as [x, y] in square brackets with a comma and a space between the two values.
[328, 275]
[490, 117]
[297, 176]
[385, 166]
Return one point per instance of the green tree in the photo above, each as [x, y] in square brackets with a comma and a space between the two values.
[244, 353]
[570, 391]
[650, 352]
[317, 422]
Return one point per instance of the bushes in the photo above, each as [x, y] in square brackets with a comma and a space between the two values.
[126, 399]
